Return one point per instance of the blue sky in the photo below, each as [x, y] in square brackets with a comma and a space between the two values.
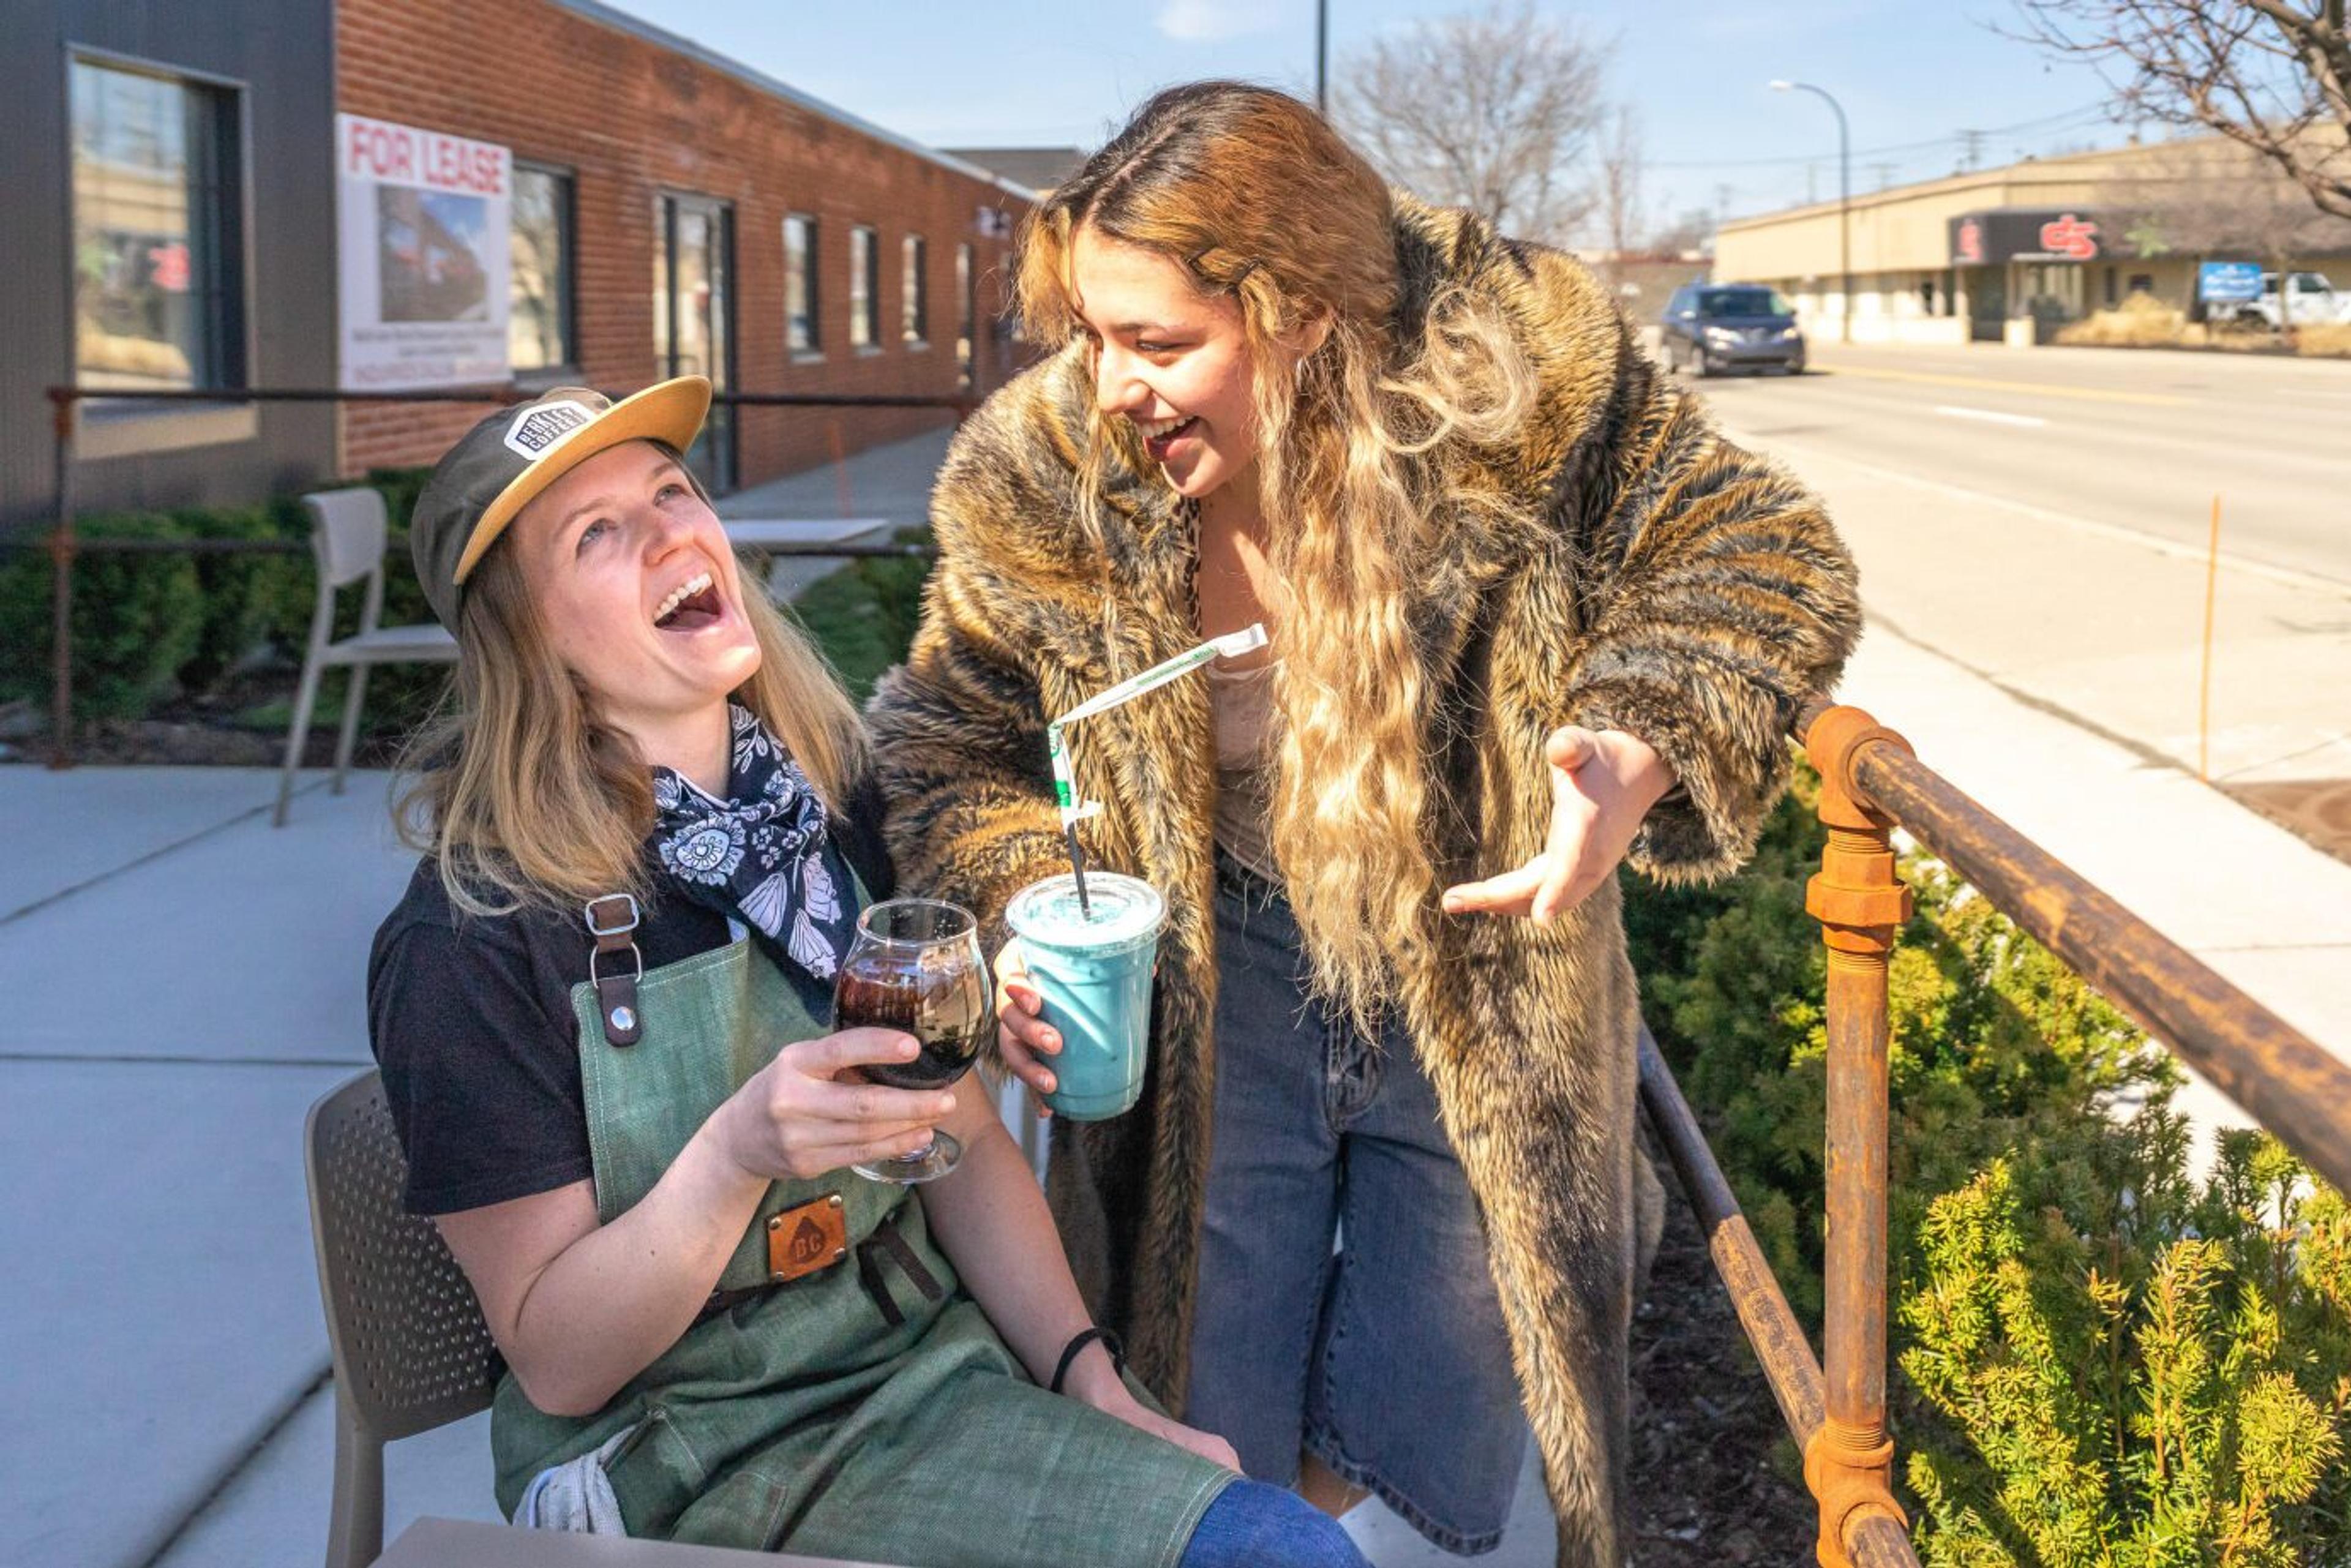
[997, 72]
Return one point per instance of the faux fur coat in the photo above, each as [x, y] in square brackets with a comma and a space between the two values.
[1668, 584]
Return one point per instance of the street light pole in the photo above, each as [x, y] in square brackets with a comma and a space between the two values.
[1321, 56]
[1844, 201]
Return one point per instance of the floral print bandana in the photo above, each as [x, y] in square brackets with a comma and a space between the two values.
[762, 856]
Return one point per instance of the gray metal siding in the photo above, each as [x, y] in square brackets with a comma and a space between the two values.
[280, 53]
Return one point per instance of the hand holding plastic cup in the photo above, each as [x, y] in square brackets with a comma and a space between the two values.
[1092, 968]
[1091, 938]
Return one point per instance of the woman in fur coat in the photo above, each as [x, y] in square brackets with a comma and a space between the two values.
[1529, 616]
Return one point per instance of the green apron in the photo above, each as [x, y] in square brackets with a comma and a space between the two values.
[801, 1418]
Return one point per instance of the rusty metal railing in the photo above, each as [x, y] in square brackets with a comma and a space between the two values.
[63, 544]
[1870, 784]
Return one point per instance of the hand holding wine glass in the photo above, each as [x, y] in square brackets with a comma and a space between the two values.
[915, 968]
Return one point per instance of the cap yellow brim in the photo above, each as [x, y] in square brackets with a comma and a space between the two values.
[670, 411]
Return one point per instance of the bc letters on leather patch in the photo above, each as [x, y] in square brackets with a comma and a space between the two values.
[804, 1239]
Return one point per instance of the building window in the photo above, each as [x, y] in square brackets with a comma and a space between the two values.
[540, 315]
[914, 296]
[967, 319]
[799, 284]
[159, 294]
[864, 289]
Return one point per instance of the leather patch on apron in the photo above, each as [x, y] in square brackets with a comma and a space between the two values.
[804, 1239]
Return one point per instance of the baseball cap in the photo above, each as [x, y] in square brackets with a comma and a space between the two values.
[500, 465]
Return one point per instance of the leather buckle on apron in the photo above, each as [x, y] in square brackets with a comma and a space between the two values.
[803, 1240]
[612, 922]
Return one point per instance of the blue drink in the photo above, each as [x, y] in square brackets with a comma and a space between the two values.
[1094, 975]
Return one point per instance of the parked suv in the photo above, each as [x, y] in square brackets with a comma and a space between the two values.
[1712, 327]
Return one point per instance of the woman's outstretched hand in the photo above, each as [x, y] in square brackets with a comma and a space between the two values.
[1603, 782]
[1021, 1034]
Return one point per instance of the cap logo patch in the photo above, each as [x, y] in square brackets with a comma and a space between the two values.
[541, 426]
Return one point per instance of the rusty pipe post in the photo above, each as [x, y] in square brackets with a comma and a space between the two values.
[61, 555]
[1861, 904]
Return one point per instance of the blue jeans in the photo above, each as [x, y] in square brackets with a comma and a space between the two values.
[1252, 1525]
[1389, 1362]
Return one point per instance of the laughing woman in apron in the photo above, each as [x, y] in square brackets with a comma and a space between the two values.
[601, 1012]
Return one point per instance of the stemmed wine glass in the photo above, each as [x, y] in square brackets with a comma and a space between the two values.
[915, 967]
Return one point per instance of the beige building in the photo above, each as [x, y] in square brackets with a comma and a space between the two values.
[2010, 254]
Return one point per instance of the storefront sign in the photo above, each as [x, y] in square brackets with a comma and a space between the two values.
[424, 234]
[1987, 239]
[2229, 282]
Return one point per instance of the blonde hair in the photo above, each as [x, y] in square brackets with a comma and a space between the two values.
[1358, 440]
[525, 797]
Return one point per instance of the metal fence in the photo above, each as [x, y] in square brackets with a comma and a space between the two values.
[1870, 784]
[63, 543]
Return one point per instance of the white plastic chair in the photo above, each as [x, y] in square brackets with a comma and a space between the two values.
[347, 535]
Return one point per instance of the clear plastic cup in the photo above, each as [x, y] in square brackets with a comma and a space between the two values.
[1094, 976]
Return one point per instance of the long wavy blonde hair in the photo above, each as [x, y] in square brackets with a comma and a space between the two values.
[526, 796]
[1262, 203]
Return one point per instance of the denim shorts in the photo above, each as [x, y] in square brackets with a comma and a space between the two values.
[1387, 1359]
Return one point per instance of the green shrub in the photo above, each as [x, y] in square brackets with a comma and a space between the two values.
[2143, 1375]
[2102, 1364]
[862, 616]
[136, 618]
[1994, 1043]
[244, 595]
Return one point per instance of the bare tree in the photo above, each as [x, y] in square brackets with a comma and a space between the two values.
[1618, 188]
[1691, 232]
[2273, 76]
[1495, 111]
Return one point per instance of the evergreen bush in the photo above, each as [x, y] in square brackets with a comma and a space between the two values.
[2102, 1364]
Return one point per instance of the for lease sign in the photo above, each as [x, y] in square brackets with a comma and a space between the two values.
[422, 219]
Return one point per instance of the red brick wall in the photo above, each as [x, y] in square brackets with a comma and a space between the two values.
[631, 121]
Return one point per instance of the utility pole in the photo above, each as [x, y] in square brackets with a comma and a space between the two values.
[1884, 173]
[1970, 149]
[1845, 199]
[1322, 56]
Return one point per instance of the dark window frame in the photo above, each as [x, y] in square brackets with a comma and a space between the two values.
[866, 289]
[232, 349]
[567, 285]
[810, 274]
[914, 303]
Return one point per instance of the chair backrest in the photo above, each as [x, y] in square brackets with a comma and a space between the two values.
[410, 1349]
[347, 532]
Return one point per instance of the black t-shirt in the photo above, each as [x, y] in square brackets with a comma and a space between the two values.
[470, 1017]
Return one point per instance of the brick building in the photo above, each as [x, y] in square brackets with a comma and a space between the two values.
[628, 204]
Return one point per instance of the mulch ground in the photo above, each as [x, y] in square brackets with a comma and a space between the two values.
[1714, 1476]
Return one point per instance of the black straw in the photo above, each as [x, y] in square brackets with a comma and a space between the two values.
[1078, 866]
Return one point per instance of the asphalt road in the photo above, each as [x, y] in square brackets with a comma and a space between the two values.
[2141, 439]
[2043, 517]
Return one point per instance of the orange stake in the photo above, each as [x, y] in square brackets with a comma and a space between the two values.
[2204, 695]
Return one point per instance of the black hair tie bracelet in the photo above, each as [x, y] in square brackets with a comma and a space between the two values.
[1084, 1338]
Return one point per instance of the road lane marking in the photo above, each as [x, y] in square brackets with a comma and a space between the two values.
[2026, 420]
[2035, 388]
[2162, 544]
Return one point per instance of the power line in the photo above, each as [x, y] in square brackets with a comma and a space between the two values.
[2046, 125]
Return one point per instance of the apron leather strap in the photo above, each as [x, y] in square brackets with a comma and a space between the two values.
[885, 1240]
[612, 922]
